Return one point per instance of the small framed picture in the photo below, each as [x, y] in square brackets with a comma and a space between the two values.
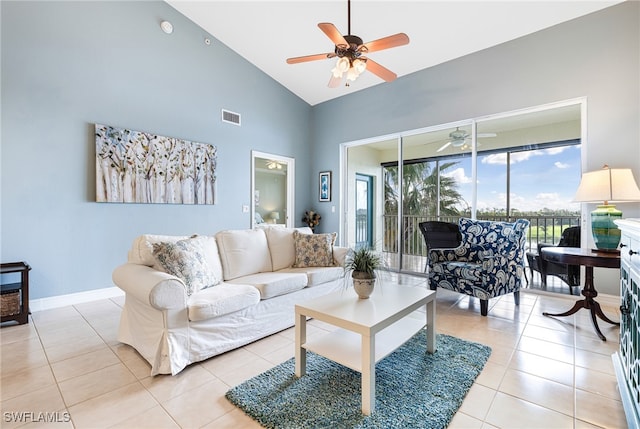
[325, 186]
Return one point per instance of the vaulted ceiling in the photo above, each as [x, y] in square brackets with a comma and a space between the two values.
[266, 33]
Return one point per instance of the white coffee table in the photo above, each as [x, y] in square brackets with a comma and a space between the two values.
[370, 329]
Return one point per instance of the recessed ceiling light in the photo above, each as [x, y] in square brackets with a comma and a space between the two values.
[167, 27]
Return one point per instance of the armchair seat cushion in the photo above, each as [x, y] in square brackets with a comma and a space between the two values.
[464, 270]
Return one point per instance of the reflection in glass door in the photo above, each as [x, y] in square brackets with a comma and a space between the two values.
[364, 211]
[272, 189]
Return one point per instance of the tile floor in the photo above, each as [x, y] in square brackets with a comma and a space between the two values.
[543, 372]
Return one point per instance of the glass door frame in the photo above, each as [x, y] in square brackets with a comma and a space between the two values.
[370, 207]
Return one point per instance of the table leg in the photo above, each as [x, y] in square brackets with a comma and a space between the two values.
[368, 350]
[431, 325]
[301, 338]
[589, 302]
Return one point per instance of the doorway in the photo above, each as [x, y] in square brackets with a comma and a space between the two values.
[272, 189]
[364, 211]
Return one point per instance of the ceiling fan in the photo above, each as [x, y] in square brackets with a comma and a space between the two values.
[458, 138]
[350, 51]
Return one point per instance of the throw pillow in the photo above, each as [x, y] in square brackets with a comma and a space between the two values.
[313, 250]
[186, 260]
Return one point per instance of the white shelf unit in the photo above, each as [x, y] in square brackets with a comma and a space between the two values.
[344, 346]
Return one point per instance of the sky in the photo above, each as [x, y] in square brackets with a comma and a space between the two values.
[544, 178]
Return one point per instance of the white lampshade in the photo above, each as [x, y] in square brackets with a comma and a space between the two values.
[275, 215]
[607, 185]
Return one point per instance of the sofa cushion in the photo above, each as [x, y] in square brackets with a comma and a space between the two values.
[318, 275]
[313, 250]
[220, 300]
[281, 247]
[243, 252]
[274, 284]
[187, 260]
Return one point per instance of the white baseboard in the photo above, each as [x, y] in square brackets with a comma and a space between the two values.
[607, 299]
[73, 298]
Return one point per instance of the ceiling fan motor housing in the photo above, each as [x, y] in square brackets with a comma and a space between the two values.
[352, 52]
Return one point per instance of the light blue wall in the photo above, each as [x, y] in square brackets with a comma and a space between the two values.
[68, 65]
[596, 56]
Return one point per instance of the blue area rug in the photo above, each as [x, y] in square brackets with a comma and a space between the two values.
[414, 389]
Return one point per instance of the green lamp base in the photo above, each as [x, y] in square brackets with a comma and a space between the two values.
[606, 233]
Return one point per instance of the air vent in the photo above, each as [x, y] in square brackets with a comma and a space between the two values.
[231, 117]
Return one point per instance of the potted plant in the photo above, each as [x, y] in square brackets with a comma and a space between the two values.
[362, 263]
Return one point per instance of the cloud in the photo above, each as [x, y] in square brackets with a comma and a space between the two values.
[554, 150]
[548, 200]
[561, 165]
[501, 158]
[458, 175]
[498, 158]
[521, 156]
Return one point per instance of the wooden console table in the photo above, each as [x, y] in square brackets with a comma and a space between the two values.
[589, 258]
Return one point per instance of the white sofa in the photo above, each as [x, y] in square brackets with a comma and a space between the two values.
[173, 321]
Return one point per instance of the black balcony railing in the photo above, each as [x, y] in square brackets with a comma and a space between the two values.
[543, 229]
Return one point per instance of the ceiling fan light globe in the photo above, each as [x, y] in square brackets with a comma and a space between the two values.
[359, 65]
[343, 64]
[336, 73]
[352, 74]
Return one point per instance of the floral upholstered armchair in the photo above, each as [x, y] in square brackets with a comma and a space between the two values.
[488, 263]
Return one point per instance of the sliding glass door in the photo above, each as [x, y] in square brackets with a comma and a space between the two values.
[519, 164]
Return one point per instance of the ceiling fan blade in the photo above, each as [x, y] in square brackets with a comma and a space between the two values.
[332, 33]
[296, 60]
[385, 43]
[380, 71]
[334, 82]
[443, 147]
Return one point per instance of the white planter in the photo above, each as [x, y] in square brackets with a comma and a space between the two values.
[363, 286]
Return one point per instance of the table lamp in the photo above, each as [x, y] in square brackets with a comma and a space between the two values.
[607, 185]
[275, 216]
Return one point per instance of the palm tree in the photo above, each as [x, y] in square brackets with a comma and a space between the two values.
[420, 190]
[419, 196]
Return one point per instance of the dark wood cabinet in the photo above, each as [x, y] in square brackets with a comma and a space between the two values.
[14, 295]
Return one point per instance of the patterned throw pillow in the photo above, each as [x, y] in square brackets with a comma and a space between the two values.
[186, 260]
[313, 250]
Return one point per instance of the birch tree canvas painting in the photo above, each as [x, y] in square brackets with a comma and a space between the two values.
[138, 167]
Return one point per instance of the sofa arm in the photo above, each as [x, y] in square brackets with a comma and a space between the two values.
[339, 255]
[156, 288]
